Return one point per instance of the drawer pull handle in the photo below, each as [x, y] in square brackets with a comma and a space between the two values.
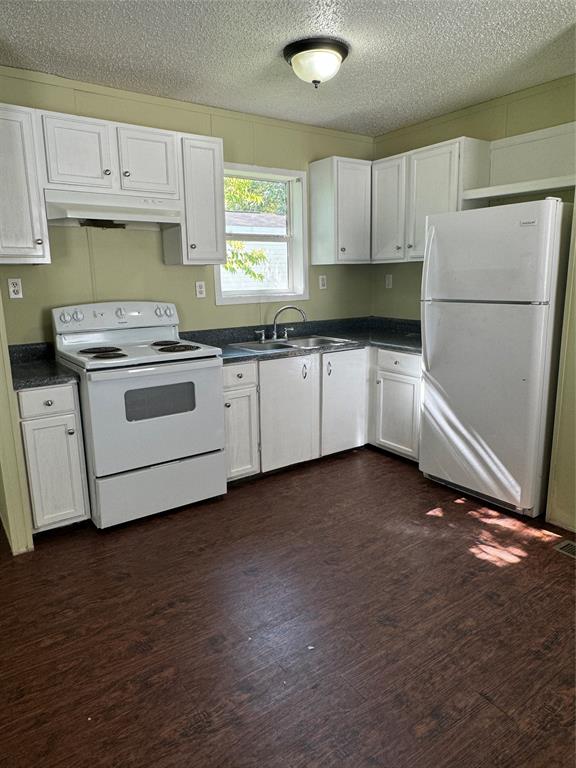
[304, 371]
[240, 375]
[227, 405]
[71, 431]
[329, 368]
[48, 403]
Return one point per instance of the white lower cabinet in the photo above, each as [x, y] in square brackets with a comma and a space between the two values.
[395, 420]
[344, 400]
[54, 461]
[242, 421]
[289, 411]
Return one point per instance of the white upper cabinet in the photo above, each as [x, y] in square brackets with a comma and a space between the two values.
[204, 195]
[23, 226]
[432, 188]
[406, 188]
[388, 208]
[80, 152]
[148, 161]
[340, 210]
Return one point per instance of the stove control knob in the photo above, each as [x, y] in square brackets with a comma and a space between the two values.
[158, 311]
[168, 311]
[65, 317]
[120, 313]
[77, 315]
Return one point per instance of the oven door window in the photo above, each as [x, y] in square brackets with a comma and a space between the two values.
[154, 402]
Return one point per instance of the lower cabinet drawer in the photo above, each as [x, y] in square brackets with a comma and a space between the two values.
[240, 375]
[399, 362]
[46, 401]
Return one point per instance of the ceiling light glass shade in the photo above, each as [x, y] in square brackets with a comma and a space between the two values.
[316, 59]
[316, 66]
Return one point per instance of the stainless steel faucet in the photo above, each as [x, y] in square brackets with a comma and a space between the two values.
[288, 306]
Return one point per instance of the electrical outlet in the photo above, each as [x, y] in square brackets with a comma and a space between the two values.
[388, 281]
[15, 288]
[322, 282]
[200, 289]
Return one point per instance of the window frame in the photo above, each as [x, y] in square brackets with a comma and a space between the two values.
[296, 237]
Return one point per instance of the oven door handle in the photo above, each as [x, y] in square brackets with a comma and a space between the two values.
[154, 370]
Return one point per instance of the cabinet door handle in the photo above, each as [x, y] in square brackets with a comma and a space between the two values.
[126, 173]
[396, 362]
[71, 431]
[48, 403]
[409, 245]
[192, 245]
[343, 250]
[239, 375]
[398, 247]
[107, 172]
[304, 371]
[227, 405]
[38, 241]
[329, 368]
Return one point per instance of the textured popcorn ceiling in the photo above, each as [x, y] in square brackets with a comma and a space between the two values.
[410, 59]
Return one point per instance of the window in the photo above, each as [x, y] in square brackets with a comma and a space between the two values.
[266, 236]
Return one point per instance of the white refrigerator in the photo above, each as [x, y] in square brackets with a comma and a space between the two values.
[492, 299]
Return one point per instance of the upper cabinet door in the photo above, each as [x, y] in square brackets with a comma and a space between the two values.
[432, 188]
[80, 152]
[23, 228]
[353, 210]
[388, 209]
[148, 161]
[204, 196]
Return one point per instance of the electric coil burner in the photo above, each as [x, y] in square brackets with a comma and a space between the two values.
[154, 423]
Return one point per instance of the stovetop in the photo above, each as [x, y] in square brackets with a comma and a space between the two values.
[109, 335]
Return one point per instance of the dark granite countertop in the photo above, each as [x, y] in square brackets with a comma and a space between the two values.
[40, 373]
[33, 365]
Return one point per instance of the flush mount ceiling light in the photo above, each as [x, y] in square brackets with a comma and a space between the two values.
[316, 59]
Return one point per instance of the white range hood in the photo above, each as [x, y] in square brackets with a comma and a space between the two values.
[62, 206]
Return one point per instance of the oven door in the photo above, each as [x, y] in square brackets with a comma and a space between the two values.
[140, 416]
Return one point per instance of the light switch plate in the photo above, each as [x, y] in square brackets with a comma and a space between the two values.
[388, 281]
[322, 282]
[200, 289]
[15, 288]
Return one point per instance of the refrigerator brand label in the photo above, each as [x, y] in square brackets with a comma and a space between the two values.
[528, 222]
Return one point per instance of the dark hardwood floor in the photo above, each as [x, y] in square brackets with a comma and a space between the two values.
[346, 613]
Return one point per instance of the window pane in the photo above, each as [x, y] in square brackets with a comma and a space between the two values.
[255, 267]
[254, 206]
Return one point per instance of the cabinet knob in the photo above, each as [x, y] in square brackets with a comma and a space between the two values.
[192, 245]
[125, 173]
[398, 247]
[396, 362]
[106, 171]
[343, 250]
[409, 245]
[71, 431]
[227, 405]
[48, 403]
[38, 241]
[239, 375]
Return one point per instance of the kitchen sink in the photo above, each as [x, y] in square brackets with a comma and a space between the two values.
[313, 342]
[262, 346]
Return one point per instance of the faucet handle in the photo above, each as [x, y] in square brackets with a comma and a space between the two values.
[260, 334]
[286, 332]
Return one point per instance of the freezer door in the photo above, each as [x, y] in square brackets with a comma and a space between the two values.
[506, 253]
[485, 373]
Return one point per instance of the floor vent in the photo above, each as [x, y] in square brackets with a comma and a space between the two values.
[567, 548]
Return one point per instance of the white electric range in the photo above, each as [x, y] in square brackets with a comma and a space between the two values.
[152, 408]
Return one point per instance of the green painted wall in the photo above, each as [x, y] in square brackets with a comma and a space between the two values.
[521, 112]
[99, 265]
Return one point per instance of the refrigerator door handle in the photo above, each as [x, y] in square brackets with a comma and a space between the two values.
[423, 333]
[430, 235]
